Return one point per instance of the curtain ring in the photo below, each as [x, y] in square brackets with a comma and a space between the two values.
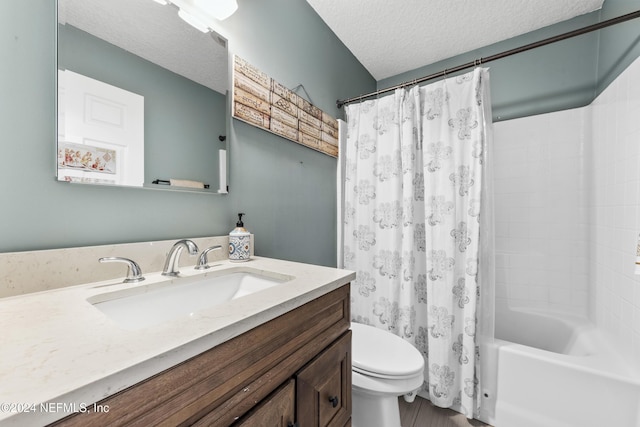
[444, 73]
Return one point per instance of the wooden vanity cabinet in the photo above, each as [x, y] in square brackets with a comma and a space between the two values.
[320, 393]
[324, 387]
[294, 370]
[277, 410]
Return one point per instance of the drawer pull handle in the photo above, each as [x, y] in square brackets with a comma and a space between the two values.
[290, 424]
[334, 401]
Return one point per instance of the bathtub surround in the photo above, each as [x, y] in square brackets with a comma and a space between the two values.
[567, 215]
[411, 224]
[568, 211]
[541, 212]
[613, 162]
[35, 271]
[581, 380]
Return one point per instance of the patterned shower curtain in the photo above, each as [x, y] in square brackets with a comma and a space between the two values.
[412, 193]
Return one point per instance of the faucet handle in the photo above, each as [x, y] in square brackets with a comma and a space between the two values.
[203, 263]
[134, 273]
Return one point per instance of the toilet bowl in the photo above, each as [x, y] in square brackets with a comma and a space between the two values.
[384, 367]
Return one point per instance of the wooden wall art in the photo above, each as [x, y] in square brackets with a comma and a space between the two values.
[263, 102]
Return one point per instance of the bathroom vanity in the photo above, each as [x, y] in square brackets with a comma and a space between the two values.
[298, 363]
[278, 356]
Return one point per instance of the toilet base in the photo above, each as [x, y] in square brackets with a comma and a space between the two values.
[369, 410]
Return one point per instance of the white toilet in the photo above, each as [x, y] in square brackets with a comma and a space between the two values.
[384, 367]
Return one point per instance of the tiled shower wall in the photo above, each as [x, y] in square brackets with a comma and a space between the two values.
[614, 192]
[567, 203]
[541, 212]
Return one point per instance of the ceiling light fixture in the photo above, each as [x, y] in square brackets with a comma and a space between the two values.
[202, 14]
[193, 20]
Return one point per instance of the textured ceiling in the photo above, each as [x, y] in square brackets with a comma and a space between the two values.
[155, 33]
[387, 37]
[392, 37]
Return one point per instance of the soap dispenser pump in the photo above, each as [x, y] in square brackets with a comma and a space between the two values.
[239, 242]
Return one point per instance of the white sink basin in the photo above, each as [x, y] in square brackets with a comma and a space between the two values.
[183, 297]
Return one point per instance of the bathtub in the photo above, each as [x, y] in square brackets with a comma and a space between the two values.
[551, 370]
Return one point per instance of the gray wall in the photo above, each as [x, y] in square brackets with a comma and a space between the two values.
[618, 45]
[559, 76]
[287, 191]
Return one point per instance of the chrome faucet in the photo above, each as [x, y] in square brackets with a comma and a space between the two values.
[203, 262]
[171, 264]
[134, 273]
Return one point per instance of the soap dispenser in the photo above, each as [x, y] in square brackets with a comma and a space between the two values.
[239, 242]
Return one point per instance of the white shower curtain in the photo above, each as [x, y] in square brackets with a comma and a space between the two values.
[411, 224]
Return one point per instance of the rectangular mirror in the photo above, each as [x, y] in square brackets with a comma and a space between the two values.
[142, 97]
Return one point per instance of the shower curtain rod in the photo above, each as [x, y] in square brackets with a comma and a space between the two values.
[477, 62]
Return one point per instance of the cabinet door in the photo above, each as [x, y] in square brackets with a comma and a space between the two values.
[324, 387]
[277, 410]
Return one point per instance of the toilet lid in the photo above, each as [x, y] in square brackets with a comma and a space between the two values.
[381, 354]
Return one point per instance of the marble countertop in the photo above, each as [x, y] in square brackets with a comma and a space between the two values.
[60, 354]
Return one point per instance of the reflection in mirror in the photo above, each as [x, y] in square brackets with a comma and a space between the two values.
[141, 97]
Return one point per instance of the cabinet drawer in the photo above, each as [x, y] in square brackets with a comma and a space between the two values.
[324, 387]
[278, 410]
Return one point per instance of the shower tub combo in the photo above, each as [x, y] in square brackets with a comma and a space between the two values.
[553, 370]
